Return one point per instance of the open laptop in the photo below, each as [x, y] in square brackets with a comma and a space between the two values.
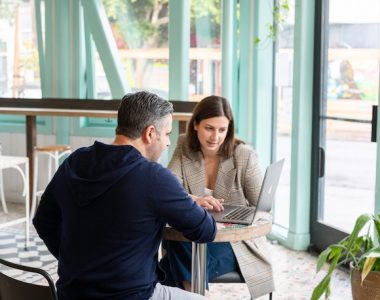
[245, 214]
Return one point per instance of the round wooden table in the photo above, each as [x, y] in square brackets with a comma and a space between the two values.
[226, 233]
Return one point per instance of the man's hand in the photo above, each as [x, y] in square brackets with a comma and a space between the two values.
[210, 203]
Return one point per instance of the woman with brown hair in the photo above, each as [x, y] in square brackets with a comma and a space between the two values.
[216, 168]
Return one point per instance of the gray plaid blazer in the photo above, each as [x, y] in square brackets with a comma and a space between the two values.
[238, 182]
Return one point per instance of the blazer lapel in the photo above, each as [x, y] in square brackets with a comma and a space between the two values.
[225, 178]
[195, 173]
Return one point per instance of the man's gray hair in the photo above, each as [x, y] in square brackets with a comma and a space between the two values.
[139, 110]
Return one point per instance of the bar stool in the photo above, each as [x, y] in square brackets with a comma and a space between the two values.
[54, 154]
[2, 196]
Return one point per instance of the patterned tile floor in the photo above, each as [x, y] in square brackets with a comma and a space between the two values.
[294, 271]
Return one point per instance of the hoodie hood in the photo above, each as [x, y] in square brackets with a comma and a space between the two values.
[92, 171]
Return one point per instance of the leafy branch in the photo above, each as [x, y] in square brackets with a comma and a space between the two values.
[279, 14]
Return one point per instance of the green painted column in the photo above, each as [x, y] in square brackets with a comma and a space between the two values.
[63, 53]
[96, 19]
[63, 64]
[262, 84]
[179, 45]
[79, 53]
[179, 63]
[299, 229]
[90, 64]
[58, 59]
[377, 182]
[243, 115]
[228, 54]
[40, 46]
[49, 53]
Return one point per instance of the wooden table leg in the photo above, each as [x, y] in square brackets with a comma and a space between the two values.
[31, 140]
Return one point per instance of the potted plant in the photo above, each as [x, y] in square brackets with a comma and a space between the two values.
[362, 253]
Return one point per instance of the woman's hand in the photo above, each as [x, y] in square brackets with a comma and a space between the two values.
[209, 203]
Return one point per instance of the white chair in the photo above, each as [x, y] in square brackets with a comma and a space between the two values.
[15, 162]
[2, 196]
[54, 154]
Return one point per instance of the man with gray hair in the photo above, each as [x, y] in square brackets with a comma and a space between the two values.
[103, 213]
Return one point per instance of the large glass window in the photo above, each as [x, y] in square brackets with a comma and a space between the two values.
[205, 52]
[283, 113]
[19, 69]
[352, 72]
[19, 64]
[140, 30]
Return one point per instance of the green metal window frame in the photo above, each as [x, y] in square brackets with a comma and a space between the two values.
[89, 127]
[16, 124]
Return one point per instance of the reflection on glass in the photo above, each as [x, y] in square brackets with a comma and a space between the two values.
[352, 88]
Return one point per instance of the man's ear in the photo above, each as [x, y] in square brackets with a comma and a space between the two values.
[148, 134]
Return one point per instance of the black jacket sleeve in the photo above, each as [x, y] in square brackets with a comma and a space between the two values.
[47, 221]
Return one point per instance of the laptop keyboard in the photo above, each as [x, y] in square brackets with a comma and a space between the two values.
[240, 213]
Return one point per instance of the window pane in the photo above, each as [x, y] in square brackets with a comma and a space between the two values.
[140, 29]
[205, 52]
[19, 67]
[352, 70]
[284, 96]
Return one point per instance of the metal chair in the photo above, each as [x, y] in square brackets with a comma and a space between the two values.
[54, 154]
[2, 197]
[14, 289]
[16, 162]
[232, 277]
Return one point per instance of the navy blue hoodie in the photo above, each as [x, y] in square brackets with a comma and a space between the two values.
[102, 216]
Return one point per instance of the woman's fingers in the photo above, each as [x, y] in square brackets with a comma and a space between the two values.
[216, 204]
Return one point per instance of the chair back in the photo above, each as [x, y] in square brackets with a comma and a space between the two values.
[14, 289]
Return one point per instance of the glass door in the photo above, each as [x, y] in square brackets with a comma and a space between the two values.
[347, 87]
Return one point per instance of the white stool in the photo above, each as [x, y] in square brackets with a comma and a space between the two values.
[3, 203]
[54, 153]
[14, 162]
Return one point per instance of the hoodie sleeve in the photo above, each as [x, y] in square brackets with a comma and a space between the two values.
[47, 221]
[174, 206]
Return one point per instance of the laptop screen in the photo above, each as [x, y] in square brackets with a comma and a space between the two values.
[246, 215]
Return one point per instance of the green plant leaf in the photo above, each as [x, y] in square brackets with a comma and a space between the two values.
[321, 288]
[374, 252]
[359, 249]
[376, 220]
[333, 263]
[324, 285]
[336, 250]
[361, 221]
[369, 262]
[322, 258]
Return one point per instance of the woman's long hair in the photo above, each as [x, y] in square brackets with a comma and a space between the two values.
[210, 107]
